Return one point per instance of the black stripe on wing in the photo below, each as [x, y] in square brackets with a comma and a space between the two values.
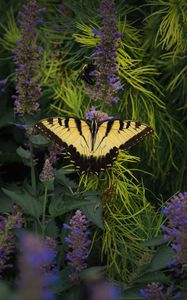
[41, 128]
[137, 137]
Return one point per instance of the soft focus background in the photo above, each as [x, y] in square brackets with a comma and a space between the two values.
[122, 234]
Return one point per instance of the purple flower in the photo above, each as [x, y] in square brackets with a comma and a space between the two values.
[96, 32]
[78, 243]
[27, 57]
[37, 272]
[54, 153]
[3, 82]
[94, 114]
[7, 237]
[176, 228]
[155, 291]
[47, 174]
[90, 114]
[105, 57]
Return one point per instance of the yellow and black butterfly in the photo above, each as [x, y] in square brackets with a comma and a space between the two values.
[92, 145]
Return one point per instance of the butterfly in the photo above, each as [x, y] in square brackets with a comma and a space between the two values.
[92, 145]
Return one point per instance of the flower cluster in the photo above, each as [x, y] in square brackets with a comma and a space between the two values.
[105, 57]
[78, 243]
[94, 114]
[54, 153]
[47, 174]
[7, 238]
[27, 57]
[155, 291]
[37, 272]
[176, 228]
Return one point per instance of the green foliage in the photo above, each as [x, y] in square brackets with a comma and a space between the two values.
[7, 293]
[11, 32]
[171, 33]
[123, 204]
[25, 201]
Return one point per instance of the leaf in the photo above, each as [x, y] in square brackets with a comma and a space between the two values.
[24, 155]
[153, 277]
[7, 293]
[61, 205]
[161, 258]
[94, 209]
[51, 229]
[6, 118]
[64, 282]
[26, 201]
[72, 294]
[183, 285]
[5, 203]
[38, 139]
[60, 176]
[159, 240]
[131, 294]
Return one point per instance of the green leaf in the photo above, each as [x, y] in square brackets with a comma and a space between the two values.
[153, 277]
[6, 119]
[183, 285]
[161, 258]
[38, 140]
[64, 282]
[6, 203]
[7, 293]
[24, 155]
[159, 240]
[51, 229]
[131, 294]
[72, 294]
[94, 209]
[61, 205]
[26, 201]
[61, 178]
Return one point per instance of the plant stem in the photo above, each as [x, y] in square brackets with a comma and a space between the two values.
[44, 211]
[33, 176]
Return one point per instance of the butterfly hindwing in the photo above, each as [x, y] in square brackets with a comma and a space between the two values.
[92, 146]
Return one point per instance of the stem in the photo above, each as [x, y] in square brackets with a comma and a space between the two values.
[33, 176]
[44, 211]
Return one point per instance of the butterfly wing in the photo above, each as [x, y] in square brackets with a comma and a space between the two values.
[72, 134]
[115, 134]
[88, 151]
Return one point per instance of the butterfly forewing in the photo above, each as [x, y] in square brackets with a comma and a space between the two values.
[118, 134]
[66, 132]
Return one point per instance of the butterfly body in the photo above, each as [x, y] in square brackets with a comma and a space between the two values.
[94, 145]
